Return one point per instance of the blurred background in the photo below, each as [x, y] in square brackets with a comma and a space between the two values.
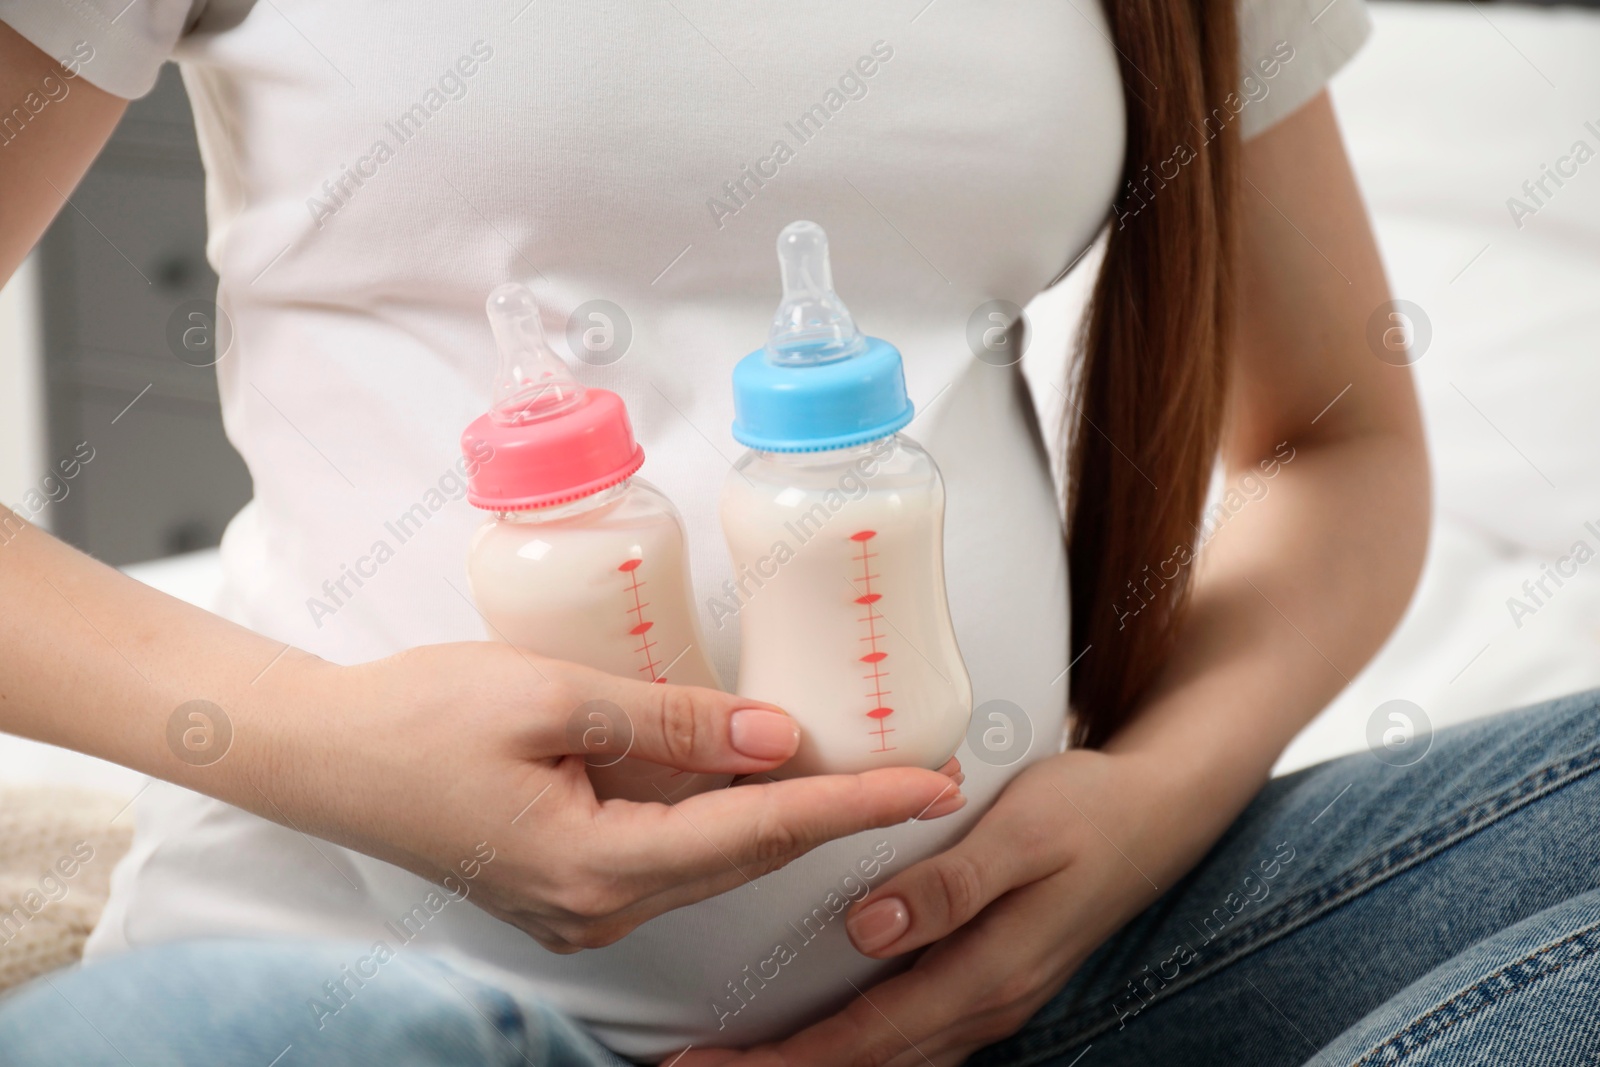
[1457, 114]
[86, 331]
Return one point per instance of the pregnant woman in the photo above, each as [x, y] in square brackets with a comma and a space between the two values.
[397, 858]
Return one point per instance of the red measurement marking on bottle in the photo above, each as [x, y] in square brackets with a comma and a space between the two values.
[875, 657]
[641, 626]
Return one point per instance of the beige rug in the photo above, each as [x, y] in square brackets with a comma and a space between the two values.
[57, 848]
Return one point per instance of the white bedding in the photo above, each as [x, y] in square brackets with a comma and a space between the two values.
[1448, 110]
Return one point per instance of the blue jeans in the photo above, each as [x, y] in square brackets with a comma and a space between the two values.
[1357, 913]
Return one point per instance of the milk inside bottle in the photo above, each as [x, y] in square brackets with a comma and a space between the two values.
[835, 523]
[579, 560]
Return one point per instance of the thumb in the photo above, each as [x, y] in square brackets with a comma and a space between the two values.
[680, 726]
[932, 899]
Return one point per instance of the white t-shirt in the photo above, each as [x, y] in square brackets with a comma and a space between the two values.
[374, 170]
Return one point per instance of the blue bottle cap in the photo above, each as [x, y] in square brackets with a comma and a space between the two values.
[818, 383]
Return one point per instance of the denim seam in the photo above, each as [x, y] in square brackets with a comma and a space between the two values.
[1314, 903]
[1427, 1028]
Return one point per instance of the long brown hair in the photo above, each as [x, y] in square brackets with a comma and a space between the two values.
[1151, 385]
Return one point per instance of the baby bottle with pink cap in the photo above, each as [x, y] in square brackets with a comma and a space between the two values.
[579, 559]
[835, 522]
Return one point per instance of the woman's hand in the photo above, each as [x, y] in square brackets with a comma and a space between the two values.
[1048, 873]
[441, 755]
[433, 759]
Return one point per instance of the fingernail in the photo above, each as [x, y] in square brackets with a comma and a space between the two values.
[762, 734]
[879, 924]
[953, 800]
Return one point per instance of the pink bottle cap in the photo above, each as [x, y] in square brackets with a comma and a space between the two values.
[547, 439]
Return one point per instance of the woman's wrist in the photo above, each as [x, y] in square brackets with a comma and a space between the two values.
[255, 736]
[1184, 772]
[1168, 814]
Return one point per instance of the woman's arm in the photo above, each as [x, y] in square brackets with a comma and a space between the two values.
[1295, 592]
[42, 161]
[432, 759]
[1298, 590]
[425, 759]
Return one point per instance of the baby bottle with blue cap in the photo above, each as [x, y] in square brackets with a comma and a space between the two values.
[835, 522]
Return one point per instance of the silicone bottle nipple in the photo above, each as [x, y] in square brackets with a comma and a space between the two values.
[533, 382]
[812, 324]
